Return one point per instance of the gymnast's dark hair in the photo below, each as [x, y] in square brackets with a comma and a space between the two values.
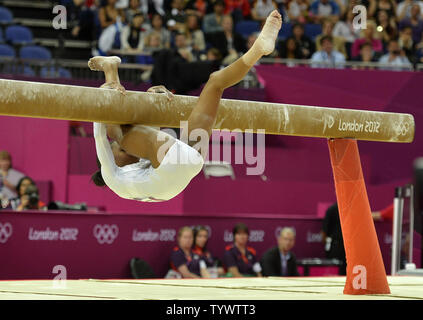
[97, 178]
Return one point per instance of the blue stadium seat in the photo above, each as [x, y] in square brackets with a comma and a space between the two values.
[35, 52]
[52, 72]
[7, 51]
[286, 31]
[19, 35]
[19, 69]
[246, 27]
[312, 30]
[6, 15]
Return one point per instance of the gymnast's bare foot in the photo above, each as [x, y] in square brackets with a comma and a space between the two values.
[114, 85]
[267, 38]
[102, 63]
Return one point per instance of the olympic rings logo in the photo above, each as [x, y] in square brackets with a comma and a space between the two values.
[106, 233]
[5, 232]
[401, 128]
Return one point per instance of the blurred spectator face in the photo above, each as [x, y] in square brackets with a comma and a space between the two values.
[406, 34]
[201, 238]
[366, 53]
[286, 241]
[213, 54]
[324, 1]
[415, 11]
[291, 45]
[154, 41]
[241, 239]
[178, 4]
[298, 31]
[327, 27]
[5, 161]
[227, 24]
[137, 21]
[219, 8]
[180, 41]
[327, 46]
[382, 16]
[369, 31]
[78, 3]
[111, 3]
[25, 183]
[394, 48]
[157, 21]
[186, 239]
[134, 4]
[192, 22]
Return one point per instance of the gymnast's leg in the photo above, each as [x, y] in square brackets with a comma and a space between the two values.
[204, 113]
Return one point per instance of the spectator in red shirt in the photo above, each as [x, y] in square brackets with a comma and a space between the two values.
[386, 214]
[239, 9]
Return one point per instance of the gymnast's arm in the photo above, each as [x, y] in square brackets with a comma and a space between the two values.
[104, 151]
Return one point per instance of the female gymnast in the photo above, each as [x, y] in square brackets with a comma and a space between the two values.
[146, 164]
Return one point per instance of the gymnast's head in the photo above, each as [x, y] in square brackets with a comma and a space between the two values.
[97, 178]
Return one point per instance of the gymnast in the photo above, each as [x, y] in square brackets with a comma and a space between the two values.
[146, 164]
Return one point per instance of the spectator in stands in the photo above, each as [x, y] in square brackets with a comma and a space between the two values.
[377, 5]
[344, 29]
[395, 57]
[328, 57]
[9, 177]
[183, 48]
[183, 260]
[159, 30]
[132, 35]
[386, 214]
[369, 34]
[297, 11]
[405, 42]
[387, 26]
[198, 8]
[262, 8]
[239, 259]
[280, 261]
[201, 237]
[194, 35]
[290, 50]
[27, 197]
[82, 18]
[303, 42]
[176, 17]
[419, 52]
[327, 30]
[404, 9]
[415, 21]
[230, 44]
[212, 22]
[366, 55]
[323, 9]
[109, 15]
[133, 9]
[332, 237]
[239, 9]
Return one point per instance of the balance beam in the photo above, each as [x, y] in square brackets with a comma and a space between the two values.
[66, 102]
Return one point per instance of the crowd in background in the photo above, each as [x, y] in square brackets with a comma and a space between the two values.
[206, 29]
[191, 258]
